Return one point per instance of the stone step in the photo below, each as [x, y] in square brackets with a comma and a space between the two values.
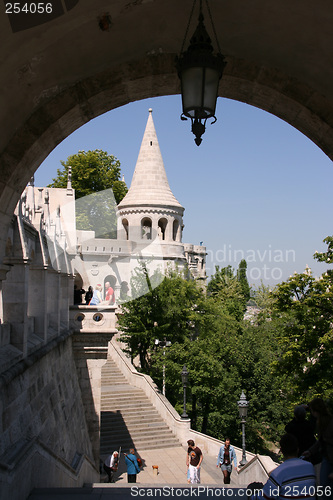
[120, 396]
[119, 405]
[114, 444]
[133, 424]
[131, 418]
[118, 390]
[131, 412]
[128, 418]
[142, 438]
[139, 432]
[113, 376]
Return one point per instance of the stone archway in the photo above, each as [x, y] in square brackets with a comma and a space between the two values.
[59, 75]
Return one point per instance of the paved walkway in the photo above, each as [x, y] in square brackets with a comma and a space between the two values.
[171, 474]
[171, 469]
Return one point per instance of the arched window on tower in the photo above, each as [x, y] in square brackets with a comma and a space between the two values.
[146, 228]
[162, 224]
[175, 230]
[125, 226]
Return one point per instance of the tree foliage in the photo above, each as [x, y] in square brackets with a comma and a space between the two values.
[222, 353]
[242, 278]
[168, 309]
[95, 176]
[281, 359]
[303, 309]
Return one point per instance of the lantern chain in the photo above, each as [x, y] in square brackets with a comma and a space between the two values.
[211, 21]
[188, 26]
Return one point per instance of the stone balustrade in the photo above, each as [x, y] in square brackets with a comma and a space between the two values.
[88, 319]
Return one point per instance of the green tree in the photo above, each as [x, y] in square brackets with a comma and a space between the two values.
[94, 174]
[242, 278]
[167, 310]
[262, 296]
[226, 288]
[223, 353]
[303, 309]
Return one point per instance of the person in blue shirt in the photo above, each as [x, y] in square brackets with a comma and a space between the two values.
[293, 479]
[97, 296]
[132, 466]
[226, 456]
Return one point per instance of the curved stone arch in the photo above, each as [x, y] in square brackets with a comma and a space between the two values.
[162, 225]
[56, 118]
[146, 228]
[125, 227]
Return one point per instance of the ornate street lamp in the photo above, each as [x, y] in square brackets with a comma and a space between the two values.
[185, 382]
[243, 406]
[200, 72]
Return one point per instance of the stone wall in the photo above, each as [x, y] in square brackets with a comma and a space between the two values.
[41, 401]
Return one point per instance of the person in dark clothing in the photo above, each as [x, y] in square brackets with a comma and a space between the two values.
[78, 292]
[302, 428]
[193, 461]
[89, 295]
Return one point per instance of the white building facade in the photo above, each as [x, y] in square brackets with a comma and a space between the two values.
[149, 228]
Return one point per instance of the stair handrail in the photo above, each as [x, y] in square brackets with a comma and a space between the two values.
[179, 426]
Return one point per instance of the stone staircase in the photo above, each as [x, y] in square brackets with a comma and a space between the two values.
[128, 418]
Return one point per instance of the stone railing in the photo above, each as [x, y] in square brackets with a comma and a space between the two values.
[257, 468]
[92, 319]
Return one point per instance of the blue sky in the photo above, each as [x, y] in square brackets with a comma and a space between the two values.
[255, 187]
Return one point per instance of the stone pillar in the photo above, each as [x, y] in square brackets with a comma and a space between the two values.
[37, 305]
[117, 289]
[3, 273]
[15, 294]
[64, 299]
[4, 329]
[90, 353]
[52, 294]
[169, 229]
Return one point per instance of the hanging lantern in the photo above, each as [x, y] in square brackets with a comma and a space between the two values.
[200, 72]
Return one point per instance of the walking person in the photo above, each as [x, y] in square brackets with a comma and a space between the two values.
[226, 456]
[111, 465]
[132, 466]
[194, 458]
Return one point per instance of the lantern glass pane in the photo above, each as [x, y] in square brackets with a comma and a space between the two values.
[192, 90]
[211, 89]
[242, 411]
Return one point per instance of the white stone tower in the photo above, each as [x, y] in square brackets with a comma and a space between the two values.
[149, 210]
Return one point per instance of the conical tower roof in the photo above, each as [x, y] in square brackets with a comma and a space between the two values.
[149, 185]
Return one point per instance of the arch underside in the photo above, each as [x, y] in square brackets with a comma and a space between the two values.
[155, 76]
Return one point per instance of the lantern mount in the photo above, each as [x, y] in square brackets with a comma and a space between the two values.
[200, 71]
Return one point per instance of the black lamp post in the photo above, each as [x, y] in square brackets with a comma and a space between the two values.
[243, 406]
[185, 382]
[200, 71]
